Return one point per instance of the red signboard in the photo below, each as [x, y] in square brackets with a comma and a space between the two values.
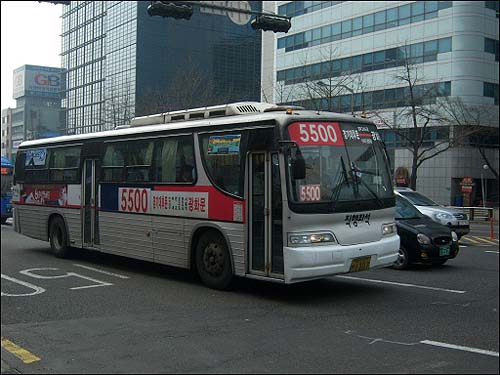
[316, 133]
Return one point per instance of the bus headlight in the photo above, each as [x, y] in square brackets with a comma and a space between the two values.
[423, 239]
[388, 229]
[296, 239]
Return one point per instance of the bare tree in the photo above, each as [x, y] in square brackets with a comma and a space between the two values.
[190, 88]
[326, 81]
[474, 125]
[119, 105]
[417, 118]
[281, 93]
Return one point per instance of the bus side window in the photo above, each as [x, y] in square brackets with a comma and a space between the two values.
[36, 165]
[19, 168]
[222, 155]
[139, 158]
[164, 160]
[113, 162]
[174, 160]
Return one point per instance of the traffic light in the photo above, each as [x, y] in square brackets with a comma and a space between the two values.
[170, 9]
[273, 23]
[57, 2]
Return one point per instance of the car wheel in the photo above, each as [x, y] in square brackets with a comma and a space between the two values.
[58, 238]
[403, 259]
[439, 262]
[213, 262]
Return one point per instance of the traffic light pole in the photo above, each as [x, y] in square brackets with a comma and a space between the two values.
[183, 9]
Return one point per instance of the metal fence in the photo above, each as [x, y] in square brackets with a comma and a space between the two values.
[476, 213]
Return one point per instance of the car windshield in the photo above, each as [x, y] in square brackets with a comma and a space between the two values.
[344, 163]
[418, 199]
[405, 210]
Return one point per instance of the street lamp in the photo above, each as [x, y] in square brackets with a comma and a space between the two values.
[483, 185]
[323, 84]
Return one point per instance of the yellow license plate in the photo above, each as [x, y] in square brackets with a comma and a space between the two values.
[360, 264]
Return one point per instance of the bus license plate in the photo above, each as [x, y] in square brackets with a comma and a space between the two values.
[444, 251]
[360, 264]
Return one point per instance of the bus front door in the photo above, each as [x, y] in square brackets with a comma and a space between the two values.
[89, 207]
[265, 215]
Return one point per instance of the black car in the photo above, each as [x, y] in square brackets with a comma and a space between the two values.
[422, 239]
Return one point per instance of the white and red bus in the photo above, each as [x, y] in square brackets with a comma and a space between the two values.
[243, 189]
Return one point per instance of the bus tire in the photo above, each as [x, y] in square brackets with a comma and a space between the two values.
[213, 262]
[58, 237]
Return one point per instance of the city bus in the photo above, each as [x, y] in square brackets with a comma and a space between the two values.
[7, 169]
[244, 189]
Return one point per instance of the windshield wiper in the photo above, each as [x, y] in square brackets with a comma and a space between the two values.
[338, 186]
[354, 171]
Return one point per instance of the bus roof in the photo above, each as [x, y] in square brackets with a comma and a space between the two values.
[267, 112]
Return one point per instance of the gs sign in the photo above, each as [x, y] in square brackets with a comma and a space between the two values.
[47, 79]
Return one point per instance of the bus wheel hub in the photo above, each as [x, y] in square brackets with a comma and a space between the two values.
[214, 259]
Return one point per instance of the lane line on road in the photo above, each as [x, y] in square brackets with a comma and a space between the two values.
[459, 347]
[484, 240]
[101, 271]
[494, 252]
[403, 284]
[19, 352]
[468, 239]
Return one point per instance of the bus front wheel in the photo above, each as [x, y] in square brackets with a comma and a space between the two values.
[213, 262]
[58, 238]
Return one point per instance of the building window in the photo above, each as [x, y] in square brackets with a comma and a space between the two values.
[417, 53]
[491, 46]
[490, 90]
[382, 20]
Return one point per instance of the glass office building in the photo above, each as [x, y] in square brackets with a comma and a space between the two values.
[355, 50]
[123, 63]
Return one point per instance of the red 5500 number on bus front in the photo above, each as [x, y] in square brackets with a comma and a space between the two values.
[134, 200]
[316, 133]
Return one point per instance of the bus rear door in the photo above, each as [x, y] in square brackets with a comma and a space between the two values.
[265, 215]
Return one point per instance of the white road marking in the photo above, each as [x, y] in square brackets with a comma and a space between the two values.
[458, 347]
[494, 252]
[101, 271]
[403, 284]
[37, 289]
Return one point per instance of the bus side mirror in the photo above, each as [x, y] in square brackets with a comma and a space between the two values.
[299, 166]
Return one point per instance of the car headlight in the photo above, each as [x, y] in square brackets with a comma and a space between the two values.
[423, 239]
[295, 239]
[388, 229]
[443, 216]
[454, 236]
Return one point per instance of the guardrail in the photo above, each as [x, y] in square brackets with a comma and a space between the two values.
[476, 213]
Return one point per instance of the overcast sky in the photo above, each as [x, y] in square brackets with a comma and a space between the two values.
[30, 35]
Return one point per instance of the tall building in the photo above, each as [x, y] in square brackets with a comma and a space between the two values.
[38, 91]
[123, 63]
[345, 55]
[6, 132]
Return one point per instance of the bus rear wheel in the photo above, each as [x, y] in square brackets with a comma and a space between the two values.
[213, 262]
[58, 238]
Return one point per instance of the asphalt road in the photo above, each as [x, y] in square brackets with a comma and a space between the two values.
[98, 313]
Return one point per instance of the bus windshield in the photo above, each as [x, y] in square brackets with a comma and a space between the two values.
[345, 163]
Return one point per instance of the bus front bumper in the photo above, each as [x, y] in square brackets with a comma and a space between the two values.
[307, 263]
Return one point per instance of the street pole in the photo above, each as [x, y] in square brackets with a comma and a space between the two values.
[482, 187]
